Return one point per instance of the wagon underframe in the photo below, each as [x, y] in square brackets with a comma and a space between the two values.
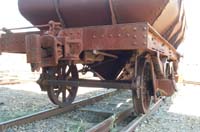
[59, 49]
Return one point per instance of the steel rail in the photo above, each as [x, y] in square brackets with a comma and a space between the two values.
[106, 125]
[191, 82]
[9, 82]
[15, 82]
[55, 111]
[133, 124]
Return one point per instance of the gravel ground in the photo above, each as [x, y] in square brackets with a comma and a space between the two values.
[22, 99]
[17, 102]
[180, 113]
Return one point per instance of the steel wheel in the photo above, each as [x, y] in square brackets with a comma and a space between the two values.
[142, 96]
[60, 95]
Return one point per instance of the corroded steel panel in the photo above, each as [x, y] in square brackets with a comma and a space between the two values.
[115, 37]
[74, 13]
[120, 37]
[163, 15]
[136, 36]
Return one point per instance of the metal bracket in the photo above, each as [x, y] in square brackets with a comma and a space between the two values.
[72, 49]
[51, 51]
[43, 51]
[33, 51]
[159, 69]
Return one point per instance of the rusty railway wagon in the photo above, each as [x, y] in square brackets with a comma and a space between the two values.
[128, 44]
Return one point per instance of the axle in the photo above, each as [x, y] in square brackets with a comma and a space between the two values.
[90, 83]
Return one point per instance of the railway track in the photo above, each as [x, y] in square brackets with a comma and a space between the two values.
[133, 124]
[10, 82]
[53, 112]
[113, 107]
[191, 82]
[108, 124]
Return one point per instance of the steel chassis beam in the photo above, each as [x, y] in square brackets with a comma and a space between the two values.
[131, 36]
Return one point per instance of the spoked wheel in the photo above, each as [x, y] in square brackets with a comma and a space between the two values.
[144, 86]
[62, 95]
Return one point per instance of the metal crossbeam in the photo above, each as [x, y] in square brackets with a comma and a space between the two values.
[90, 83]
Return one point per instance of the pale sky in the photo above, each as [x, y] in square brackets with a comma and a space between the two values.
[10, 17]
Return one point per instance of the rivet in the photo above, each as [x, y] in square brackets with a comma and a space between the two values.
[134, 29]
[145, 28]
[119, 35]
[145, 43]
[128, 35]
[102, 36]
[145, 36]
[94, 36]
[134, 36]
[110, 35]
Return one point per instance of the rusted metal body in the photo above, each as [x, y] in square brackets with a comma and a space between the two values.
[166, 16]
[128, 44]
[136, 36]
[58, 47]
